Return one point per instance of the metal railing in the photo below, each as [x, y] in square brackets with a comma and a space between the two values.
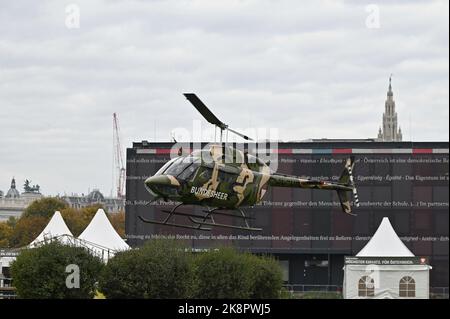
[435, 292]
[7, 291]
[97, 250]
[439, 292]
[312, 288]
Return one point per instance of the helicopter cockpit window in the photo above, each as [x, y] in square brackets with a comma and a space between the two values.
[179, 166]
[189, 171]
[165, 166]
[205, 175]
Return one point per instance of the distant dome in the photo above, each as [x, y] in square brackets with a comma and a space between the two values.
[13, 192]
[95, 196]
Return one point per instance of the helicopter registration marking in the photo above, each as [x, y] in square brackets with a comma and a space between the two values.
[208, 193]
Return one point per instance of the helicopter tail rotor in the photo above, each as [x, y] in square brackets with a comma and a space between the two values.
[348, 180]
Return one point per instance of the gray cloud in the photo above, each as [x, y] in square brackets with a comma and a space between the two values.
[312, 70]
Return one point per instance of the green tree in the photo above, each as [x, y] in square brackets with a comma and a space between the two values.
[41, 272]
[159, 269]
[44, 207]
[26, 230]
[267, 277]
[224, 273]
[74, 220]
[78, 219]
[118, 222]
[12, 221]
[38, 214]
[5, 234]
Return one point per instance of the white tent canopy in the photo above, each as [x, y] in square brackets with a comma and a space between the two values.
[386, 268]
[56, 228]
[385, 243]
[101, 237]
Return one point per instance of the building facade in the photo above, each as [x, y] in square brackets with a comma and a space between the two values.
[111, 205]
[306, 229]
[14, 203]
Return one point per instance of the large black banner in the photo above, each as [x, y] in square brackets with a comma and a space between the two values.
[408, 183]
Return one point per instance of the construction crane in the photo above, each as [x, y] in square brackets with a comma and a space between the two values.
[118, 159]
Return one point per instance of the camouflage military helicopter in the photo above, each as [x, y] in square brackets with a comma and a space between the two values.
[224, 180]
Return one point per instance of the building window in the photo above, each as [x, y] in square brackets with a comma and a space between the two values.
[366, 287]
[407, 287]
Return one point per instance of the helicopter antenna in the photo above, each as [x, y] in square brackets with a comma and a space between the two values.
[172, 135]
[210, 117]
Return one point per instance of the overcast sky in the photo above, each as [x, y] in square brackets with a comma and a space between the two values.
[311, 69]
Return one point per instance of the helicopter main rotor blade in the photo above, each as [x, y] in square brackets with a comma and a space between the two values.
[245, 137]
[209, 116]
[203, 109]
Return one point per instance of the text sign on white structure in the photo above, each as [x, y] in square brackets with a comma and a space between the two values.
[386, 261]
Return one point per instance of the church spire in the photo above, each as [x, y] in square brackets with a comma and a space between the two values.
[389, 131]
[390, 93]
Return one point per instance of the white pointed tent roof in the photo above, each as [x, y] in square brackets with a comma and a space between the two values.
[102, 233]
[385, 243]
[56, 227]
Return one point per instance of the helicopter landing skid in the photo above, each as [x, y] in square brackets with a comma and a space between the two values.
[172, 213]
[199, 221]
[217, 211]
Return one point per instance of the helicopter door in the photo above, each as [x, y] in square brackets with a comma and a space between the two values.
[227, 181]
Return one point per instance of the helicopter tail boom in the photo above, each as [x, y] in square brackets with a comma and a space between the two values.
[343, 186]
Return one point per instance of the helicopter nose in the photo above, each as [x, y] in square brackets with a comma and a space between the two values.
[161, 183]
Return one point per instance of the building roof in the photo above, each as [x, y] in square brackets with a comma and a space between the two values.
[95, 196]
[56, 227]
[101, 232]
[385, 243]
[13, 192]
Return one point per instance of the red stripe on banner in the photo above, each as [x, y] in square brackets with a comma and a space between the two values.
[342, 151]
[283, 151]
[422, 151]
[163, 151]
